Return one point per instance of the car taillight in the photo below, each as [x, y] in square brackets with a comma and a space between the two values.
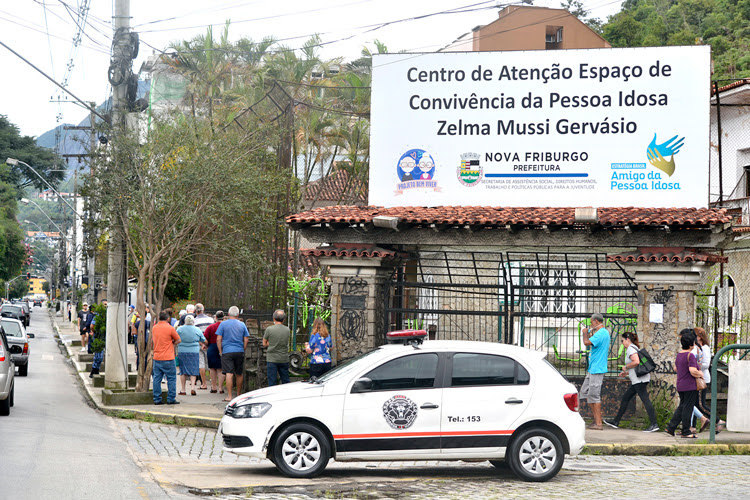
[26, 348]
[2, 353]
[572, 401]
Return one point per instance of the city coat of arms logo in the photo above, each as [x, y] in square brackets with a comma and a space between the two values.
[400, 412]
[470, 171]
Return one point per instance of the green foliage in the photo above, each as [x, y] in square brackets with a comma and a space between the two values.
[24, 148]
[723, 24]
[99, 329]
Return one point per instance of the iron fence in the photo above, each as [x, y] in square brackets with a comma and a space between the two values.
[541, 301]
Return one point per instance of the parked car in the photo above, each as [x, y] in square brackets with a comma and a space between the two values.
[14, 311]
[18, 340]
[438, 400]
[7, 377]
[26, 309]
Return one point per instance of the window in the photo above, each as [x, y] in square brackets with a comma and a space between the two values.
[486, 369]
[12, 329]
[552, 289]
[409, 372]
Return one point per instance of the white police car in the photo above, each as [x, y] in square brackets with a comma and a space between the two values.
[438, 400]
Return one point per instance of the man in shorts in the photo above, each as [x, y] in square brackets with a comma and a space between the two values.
[232, 337]
[597, 337]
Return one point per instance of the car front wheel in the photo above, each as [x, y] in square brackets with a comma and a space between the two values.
[301, 450]
[535, 455]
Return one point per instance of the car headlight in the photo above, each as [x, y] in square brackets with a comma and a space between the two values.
[254, 410]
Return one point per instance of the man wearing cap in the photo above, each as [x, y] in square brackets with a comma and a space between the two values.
[84, 325]
[597, 337]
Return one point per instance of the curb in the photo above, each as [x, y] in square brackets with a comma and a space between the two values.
[666, 450]
[589, 449]
[146, 416]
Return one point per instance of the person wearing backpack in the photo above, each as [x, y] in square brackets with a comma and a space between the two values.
[638, 384]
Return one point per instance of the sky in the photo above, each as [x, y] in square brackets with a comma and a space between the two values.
[43, 31]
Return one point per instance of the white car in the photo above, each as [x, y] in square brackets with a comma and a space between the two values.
[441, 400]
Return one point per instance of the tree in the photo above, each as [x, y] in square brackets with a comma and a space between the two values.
[723, 24]
[188, 193]
[576, 8]
[14, 145]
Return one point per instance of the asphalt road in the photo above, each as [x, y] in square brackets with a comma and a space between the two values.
[53, 445]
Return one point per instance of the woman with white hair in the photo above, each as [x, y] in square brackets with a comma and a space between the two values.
[191, 341]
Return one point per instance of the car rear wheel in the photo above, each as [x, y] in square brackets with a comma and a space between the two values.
[6, 404]
[23, 370]
[536, 455]
[301, 450]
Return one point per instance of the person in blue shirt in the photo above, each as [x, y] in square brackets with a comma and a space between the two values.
[191, 340]
[597, 337]
[232, 337]
[319, 348]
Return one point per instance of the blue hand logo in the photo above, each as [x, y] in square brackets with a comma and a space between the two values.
[657, 153]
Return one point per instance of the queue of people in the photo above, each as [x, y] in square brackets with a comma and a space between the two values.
[692, 364]
[214, 350]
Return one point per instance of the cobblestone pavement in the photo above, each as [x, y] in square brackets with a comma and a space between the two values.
[585, 477]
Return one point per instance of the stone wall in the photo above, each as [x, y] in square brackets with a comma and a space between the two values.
[356, 306]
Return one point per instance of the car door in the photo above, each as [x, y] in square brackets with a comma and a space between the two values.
[399, 415]
[483, 396]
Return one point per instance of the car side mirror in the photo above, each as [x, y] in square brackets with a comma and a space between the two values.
[363, 384]
[30, 335]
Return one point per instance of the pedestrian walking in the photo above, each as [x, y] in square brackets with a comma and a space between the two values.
[597, 337]
[212, 354]
[188, 311]
[688, 371]
[703, 355]
[319, 349]
[638, 385]
[202, 321]
[84, 325]
[165, 339]
[276, 341]
[232, 336]
[191, 338]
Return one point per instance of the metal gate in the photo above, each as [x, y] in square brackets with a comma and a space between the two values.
[541, 301]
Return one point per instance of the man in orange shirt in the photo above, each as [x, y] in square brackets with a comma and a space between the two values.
[165, 338]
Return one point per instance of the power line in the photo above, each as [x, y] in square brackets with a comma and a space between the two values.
[263, 18]
[90, 108]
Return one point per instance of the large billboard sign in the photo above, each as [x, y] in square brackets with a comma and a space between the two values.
[594, 127]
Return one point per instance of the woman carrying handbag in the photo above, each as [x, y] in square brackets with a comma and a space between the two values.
[688, 372]
[638, 385]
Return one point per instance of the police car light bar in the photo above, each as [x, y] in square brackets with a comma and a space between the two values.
[406, 336]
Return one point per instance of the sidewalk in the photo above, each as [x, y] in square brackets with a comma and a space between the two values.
[206, 409]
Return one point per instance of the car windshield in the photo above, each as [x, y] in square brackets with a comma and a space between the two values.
[12, 309]
[344, 368]
[12, 329]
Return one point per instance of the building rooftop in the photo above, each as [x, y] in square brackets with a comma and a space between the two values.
[540, 217]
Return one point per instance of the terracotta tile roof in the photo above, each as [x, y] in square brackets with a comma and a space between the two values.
[338, 187]
[500, 216]
[741, 229]
[344, 250]
[664, 254]
[733, 85]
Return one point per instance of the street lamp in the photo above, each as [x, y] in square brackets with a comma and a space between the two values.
[26, 201]
[14, 162]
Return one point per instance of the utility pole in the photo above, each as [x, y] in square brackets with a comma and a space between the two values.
[120, 71]
[93, 239]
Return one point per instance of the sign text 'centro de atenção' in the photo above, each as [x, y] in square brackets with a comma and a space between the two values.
[598, 127]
